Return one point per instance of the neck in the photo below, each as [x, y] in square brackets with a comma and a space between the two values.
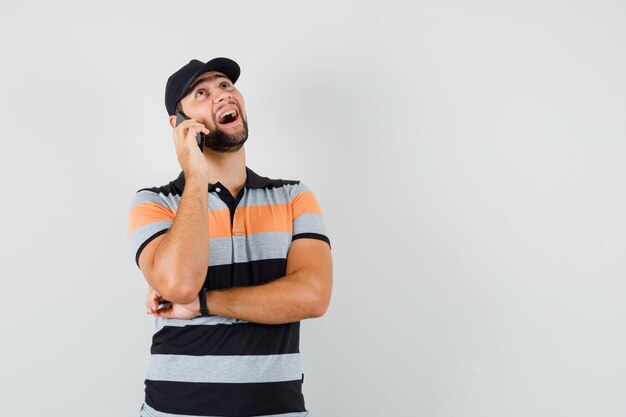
[227, 168]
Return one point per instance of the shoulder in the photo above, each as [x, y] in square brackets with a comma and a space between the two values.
[174, 187]
[277, 186]
[254, 180]
[168, 194]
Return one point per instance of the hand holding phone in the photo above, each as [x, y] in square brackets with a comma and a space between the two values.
[180, 117]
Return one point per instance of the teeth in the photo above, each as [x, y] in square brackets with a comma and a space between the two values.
[232, 112]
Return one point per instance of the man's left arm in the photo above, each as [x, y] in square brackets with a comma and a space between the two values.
[304, 292]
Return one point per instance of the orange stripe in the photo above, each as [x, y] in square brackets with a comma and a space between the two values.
[146, 213]
[305, 202]
[219, 223]
[258, 219]
[247, 219]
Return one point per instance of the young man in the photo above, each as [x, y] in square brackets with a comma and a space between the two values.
[240, 259]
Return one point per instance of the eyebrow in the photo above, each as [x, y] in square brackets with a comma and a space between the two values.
[197, 82]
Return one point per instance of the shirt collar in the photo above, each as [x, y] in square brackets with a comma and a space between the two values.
[253, 180]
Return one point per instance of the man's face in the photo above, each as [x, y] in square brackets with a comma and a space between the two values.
[214, 101]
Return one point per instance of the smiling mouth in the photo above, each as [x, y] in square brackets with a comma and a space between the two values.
[228, 117]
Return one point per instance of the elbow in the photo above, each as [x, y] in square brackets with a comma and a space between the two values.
[319, 304]
[320, 292]
[181, 295]
[175, 290]
[318, 310]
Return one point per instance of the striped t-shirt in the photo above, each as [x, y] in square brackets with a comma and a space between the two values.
[218, 366]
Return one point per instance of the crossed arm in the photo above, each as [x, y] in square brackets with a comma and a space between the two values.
[304, 292]
[175, 265]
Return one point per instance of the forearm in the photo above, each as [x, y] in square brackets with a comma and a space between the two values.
[288, 299]
[181, 259]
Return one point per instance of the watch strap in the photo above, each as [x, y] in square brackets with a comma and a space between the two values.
[204, 309]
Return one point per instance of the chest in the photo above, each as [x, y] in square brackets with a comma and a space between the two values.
[248, 239]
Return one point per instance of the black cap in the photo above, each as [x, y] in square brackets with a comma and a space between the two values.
[178, 84]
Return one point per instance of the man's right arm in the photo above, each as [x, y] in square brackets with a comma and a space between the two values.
[175, 264]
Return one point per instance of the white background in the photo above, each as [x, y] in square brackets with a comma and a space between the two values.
[469, 158]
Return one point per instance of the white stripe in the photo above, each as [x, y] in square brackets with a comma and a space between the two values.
[144, 196]
[309, 223]
[265, 197]
[196, 321]
[248, 248]
[140, 235]
[225, 369]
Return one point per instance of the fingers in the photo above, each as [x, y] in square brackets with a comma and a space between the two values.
[187, 130]
[190, 157]
[155, 303]
[175, 311]
[165, 312]
[152, 300]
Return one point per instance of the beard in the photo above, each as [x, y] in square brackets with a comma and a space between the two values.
[220, 141]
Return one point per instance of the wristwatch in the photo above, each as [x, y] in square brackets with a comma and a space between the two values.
[204, 309]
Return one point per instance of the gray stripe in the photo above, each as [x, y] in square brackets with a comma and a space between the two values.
[254, 247]
[220, 251]
[281, 195]
[300, 188]
[172, 201]
[159, 322]
[225, 369]
[264, 197]
[253, 197]
[145, 196]
[216, 203]
[148, 411]
[309, 223]
[258, 246]
[143, 233]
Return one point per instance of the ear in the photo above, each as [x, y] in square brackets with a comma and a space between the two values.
[172, 121]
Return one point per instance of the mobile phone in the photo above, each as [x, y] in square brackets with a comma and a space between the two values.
[164, 304]
[180, 117]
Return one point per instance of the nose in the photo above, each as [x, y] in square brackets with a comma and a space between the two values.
[220, 94]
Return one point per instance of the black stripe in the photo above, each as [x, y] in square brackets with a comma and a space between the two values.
[227, 339]
[233, 400]
[144, 244]
[311, 236]
[277, 183]
[244, 274]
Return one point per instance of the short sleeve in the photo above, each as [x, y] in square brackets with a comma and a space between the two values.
[308, 221]
[149, 216]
